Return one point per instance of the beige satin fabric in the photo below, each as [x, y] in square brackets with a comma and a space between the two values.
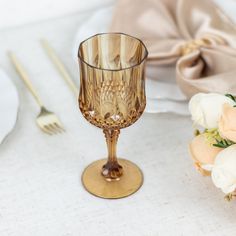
[194, 34]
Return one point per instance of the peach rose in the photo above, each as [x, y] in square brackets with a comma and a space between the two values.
[227, 123]
[203, 154]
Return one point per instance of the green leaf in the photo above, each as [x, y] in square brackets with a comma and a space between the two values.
[213, 137]
[230, 96]
[218, 145]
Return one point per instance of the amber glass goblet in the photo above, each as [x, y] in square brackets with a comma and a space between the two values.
[112, 97]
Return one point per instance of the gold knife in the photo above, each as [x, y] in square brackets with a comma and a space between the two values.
[59, 65]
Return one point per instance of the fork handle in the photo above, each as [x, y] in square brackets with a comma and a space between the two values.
[24, 76]
[59, 65]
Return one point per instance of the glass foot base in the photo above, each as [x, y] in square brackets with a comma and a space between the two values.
[96, 184]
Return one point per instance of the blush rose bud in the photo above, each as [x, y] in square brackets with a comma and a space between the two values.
[227, 123]
[206, 109]
[203, 154]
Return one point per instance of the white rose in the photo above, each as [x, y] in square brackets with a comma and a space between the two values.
[224, 170]
[206, 108]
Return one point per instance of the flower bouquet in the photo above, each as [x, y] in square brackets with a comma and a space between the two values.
[214, 147]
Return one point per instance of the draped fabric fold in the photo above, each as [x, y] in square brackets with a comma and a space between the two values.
[194, 34]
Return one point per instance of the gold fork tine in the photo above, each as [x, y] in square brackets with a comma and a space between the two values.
[54, 128]
[59, 128]
[50, 129]
[46, 120]
[44, 129]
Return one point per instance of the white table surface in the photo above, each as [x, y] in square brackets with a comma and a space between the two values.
[40, 189]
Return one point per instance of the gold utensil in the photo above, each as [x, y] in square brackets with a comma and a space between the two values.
[46, 120]
[59, 65]
[112, 97]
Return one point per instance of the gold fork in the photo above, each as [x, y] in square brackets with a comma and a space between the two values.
[46, 120]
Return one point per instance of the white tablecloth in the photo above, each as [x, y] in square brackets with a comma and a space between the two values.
[15, 12]
[40, 189]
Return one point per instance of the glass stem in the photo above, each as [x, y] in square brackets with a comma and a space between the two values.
[112, 170]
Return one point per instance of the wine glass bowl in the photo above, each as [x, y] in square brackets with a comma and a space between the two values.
[112, 97]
